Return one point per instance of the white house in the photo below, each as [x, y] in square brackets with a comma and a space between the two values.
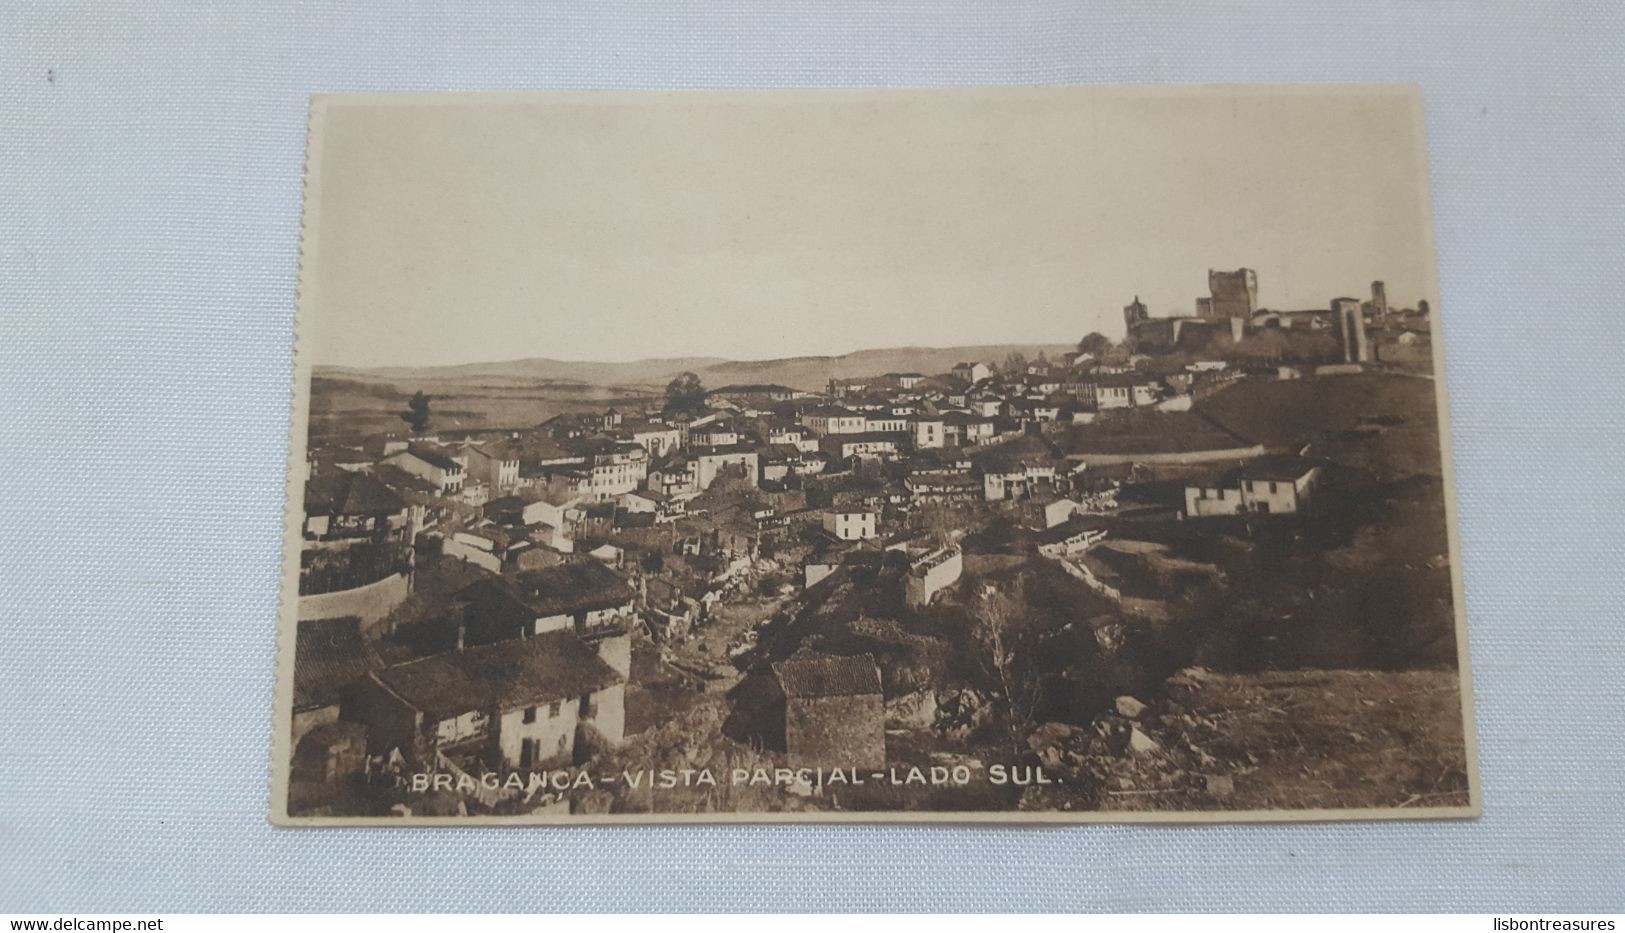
[516, 705]
[929, 432]
[1269, 485]
[438, 468]
[851, 526]
[657, 439]
[931, 572]
[834, 420]
[707, 465]
[972, 372]
[1125, 390]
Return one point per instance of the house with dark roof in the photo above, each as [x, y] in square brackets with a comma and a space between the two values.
[867, 445]
[431, 464]
[345, 506]
[1276, 485]
[972, 372]
[495, 464]
[834, 711]
[801, 438]
[1015, 468]
[715, 434]
[942, 485]
[834, 419]
[1045, 509]
[551, 505]
[356, 557]
[513, 705]
[539, 450]
[486, 545]
[1125, 390]
[583, 597]
[339, 458]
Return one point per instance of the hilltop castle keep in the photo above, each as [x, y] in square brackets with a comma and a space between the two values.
[1230, 312]
[1228, 307]
[1230, 295]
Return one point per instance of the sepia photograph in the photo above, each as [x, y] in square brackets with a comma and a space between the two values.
[1009, 455]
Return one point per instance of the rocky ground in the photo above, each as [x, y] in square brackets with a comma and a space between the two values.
[1269, 741]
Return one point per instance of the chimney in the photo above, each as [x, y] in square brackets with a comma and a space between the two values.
[462, 633]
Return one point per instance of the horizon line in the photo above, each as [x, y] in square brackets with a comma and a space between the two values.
[716, 359]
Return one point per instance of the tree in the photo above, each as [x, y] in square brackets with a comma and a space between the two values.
[1015, 364]
[1000, 628]
[1094, 343]
[417, 413]
[684, 392]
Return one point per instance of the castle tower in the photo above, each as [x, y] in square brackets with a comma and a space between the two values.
[1351, 328]
[1379, 300]
[1133, 314]
[1234, 294]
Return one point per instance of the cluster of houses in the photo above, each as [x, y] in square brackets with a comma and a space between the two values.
[590, 527]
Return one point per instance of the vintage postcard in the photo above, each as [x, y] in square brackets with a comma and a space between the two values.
[1018, 454]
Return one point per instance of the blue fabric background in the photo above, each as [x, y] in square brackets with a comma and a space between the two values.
[150, 164]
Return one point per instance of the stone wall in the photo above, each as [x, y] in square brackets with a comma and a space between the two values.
[369, 603]
[835, 731]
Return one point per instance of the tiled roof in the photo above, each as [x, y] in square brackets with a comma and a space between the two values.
[345, 493]
[536, 447]
[498, 450]
[822, 675]
[397, 479]
[1280, 467]
[574, 587]
[502, 676]
[434, 458]
[329, 655]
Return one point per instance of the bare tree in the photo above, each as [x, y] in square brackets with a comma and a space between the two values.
[1000, 622]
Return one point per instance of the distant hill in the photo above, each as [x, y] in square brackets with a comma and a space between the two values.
[810, 373]
[530, 372]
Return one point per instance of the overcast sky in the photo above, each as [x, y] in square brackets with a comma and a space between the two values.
[760, 225]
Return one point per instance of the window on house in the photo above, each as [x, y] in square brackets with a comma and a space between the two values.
[530, 714]
[1273, 487]
[554, 708]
